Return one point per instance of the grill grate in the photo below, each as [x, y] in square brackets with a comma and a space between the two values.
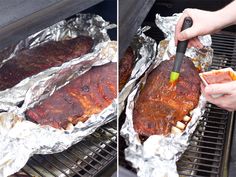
[87, 158]
[207, 154]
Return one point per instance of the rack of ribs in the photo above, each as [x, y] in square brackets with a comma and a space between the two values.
[125, 67]
[29, 62]
[84, 96]
[161, 105]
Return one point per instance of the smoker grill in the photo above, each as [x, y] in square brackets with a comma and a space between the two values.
[21, 18]
[208, 152]
[96, 154]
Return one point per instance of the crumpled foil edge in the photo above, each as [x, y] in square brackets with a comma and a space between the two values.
[145, 51]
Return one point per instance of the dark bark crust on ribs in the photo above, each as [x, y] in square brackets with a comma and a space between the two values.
[161, 104]
[125, 67]
[86, 95]
[29, 62]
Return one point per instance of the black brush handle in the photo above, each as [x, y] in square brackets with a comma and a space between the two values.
[182, 45]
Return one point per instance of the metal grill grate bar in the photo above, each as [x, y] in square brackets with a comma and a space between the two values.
[54, 165]
[102, 149]
[218, 43]
[210, 137]
[225, 63]
[208, 142]
[108, 145]
[213, 122]
[43, 166]
[215, 117]
[192, 175]
[103, 157]
[200, 170]
[74, 163]
[201, 158]
[224, 50]
[91, 157]
[205, 153]
[37, 172]
[204, 147]
[214, 127]
[64, 164]
[196, 163]
[82, 160]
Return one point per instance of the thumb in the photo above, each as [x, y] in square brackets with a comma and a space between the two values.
[224, 88]
[187, 34]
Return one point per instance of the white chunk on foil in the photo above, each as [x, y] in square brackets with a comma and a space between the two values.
[187, 118]
[175, 130]
[180, 125]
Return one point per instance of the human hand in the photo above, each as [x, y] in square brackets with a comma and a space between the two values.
[204, 22]
[227, 101]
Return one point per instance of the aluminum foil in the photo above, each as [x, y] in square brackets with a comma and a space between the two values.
[158, 155]
[83, 24]
[201, 58]
[20, 138]
[145, 51]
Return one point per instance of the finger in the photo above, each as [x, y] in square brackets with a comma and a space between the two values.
[217, 101]
[229, 109]
[224, 101]
[200, 45]
[196, 43]
[190, 43]
[187, 34]
[224, 88]
[227, 102]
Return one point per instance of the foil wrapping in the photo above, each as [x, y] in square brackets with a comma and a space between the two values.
[157, 156]
[20, 138]
[83, 24]
[144, 49]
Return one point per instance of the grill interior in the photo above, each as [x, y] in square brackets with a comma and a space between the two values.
[208, 152]
[90, 157]
[96, 154]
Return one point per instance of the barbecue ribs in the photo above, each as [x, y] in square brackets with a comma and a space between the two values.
[161, 104]
[32, 61]
[125, 67]
[88, 94]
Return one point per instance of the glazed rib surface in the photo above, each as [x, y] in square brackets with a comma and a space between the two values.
[29, 62]
[88, 94]
[161, 104]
